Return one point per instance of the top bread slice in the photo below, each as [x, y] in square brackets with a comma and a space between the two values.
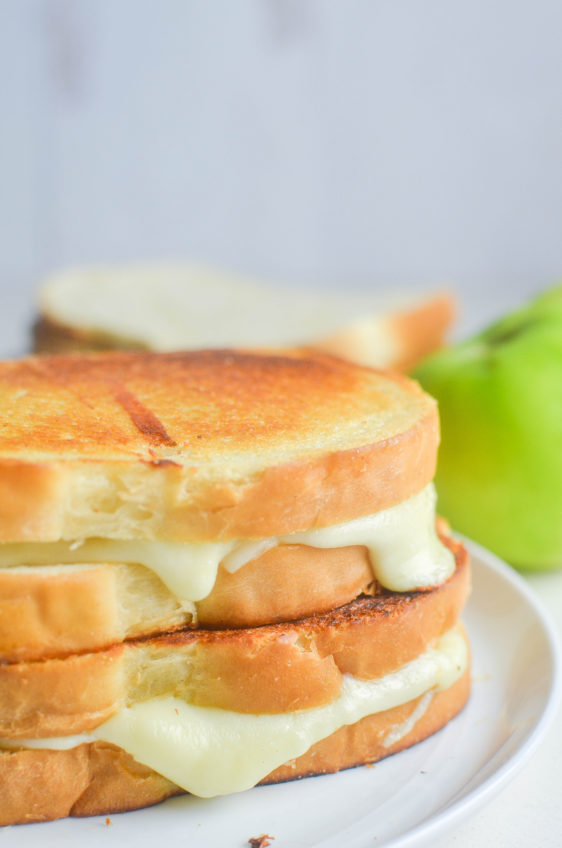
[204, 445]
[188, 306]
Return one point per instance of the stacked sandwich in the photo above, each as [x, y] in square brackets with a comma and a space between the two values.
[217, 569]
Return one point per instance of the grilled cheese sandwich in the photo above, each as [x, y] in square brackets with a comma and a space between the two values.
[217, 546]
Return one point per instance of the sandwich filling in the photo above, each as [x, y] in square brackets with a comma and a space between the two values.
[209, 751]
[404, 551]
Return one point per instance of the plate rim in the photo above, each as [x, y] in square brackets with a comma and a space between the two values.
[440, 823]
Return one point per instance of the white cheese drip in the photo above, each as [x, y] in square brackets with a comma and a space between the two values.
[211, 752]
[403, 546]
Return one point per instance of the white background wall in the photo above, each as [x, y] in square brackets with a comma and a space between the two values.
[366, 142]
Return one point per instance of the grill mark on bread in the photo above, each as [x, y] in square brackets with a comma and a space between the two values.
[233, 400]
[143, 418]
[284, 446]
[164, 463]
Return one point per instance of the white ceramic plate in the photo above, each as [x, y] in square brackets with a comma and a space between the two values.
[411, 799]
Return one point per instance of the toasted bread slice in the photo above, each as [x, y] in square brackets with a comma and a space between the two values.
[98, 778]
[167, 308]
[270, 669]
[210, 445]
[48, 610]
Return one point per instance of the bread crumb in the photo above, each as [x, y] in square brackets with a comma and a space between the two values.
[108, 821]
[260, 841]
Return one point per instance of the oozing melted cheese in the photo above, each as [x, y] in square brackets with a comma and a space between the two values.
[404, 549]
[211, 752]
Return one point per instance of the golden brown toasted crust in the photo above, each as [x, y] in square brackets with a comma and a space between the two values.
[205, 445]
[270, 669]
[74, 610]
[98, 778]
[211, 401]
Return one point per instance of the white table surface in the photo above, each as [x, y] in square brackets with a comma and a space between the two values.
[528, 812]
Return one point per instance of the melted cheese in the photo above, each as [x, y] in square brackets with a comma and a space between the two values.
[403, 545]
[404, 549]
[399, 731]
[211, 752]
[188, 569]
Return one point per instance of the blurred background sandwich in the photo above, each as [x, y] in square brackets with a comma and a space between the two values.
[190, 306]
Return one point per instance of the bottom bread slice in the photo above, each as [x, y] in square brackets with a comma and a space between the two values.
[98, 778]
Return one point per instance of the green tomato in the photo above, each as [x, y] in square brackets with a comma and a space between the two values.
[499, 474]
